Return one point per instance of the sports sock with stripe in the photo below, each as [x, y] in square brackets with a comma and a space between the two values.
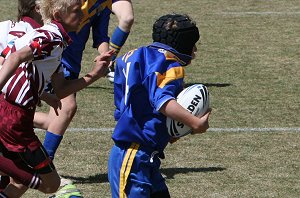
[27, 178]
[117, 40]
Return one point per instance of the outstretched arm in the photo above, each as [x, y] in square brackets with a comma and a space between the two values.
[63, 87]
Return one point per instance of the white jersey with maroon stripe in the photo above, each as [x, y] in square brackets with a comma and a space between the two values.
[30, 78]
[12, 31]
[5, 27]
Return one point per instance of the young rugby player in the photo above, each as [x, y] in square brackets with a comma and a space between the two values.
[150, 77]
[31, 63]
[96, 14]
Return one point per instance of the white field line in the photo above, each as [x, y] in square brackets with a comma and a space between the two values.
[275, 129]
[258, 13]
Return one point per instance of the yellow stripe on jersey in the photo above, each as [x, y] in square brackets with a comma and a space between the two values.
[87, 5]
[170, 75]
[108, 4]
[172, 57]
[126, 167]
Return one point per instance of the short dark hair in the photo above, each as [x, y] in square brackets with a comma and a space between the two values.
[177, 31]
[25, 8]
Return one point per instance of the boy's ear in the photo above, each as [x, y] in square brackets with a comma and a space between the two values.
[57, 17]
[37, 8]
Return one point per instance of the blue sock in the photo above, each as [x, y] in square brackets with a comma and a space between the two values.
[51, 143]
[117, 40]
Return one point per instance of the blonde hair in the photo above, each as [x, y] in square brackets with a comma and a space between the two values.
[48, 7]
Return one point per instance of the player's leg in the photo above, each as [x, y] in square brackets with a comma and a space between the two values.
[57, 121]
[124, 11]
[41, 120]
[50, 182]
[114, 166]
[145, 179]
[161, 194]
[40, 162]
[30, 169]
[17, 121]
[17, 170]
[58, 124]
[133, 174]
[4, 181]
[14, 189]
[54, 134]
[159, 187]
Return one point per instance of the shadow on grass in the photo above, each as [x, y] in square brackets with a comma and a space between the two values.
[210, 84]
[100, 87]
[98, 178]
[171, 172]
[168, 172]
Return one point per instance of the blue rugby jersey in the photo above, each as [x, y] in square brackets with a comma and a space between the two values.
[96, 16]
[146, 78]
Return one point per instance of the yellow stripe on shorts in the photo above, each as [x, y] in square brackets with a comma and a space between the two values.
[126, 167]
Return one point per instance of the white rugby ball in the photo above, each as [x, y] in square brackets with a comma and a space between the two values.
[195, 99]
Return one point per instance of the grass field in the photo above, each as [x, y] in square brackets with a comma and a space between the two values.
[249, 58]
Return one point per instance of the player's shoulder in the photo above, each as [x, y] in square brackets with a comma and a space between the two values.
[10, 25]
[5, 26]
[52, 32]
[21, 27]
[163, 57]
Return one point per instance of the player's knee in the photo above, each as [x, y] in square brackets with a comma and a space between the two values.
[126, 22]
[50, 187]
[73, 109]
[70, 109]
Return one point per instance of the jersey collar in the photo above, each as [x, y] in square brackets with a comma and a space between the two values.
[65, 35]
[183, 59]
[31, 21]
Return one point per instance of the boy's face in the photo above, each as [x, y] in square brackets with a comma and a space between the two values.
[72, 18]
[194, 52]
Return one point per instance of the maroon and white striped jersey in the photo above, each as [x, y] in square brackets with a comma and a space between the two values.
[11, 30]
[27, 84]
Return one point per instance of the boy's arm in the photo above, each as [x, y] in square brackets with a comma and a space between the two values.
[1, 60]
[63, 87]
[51, 99]
[13, 62]
[103, 47]
[175, 111]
